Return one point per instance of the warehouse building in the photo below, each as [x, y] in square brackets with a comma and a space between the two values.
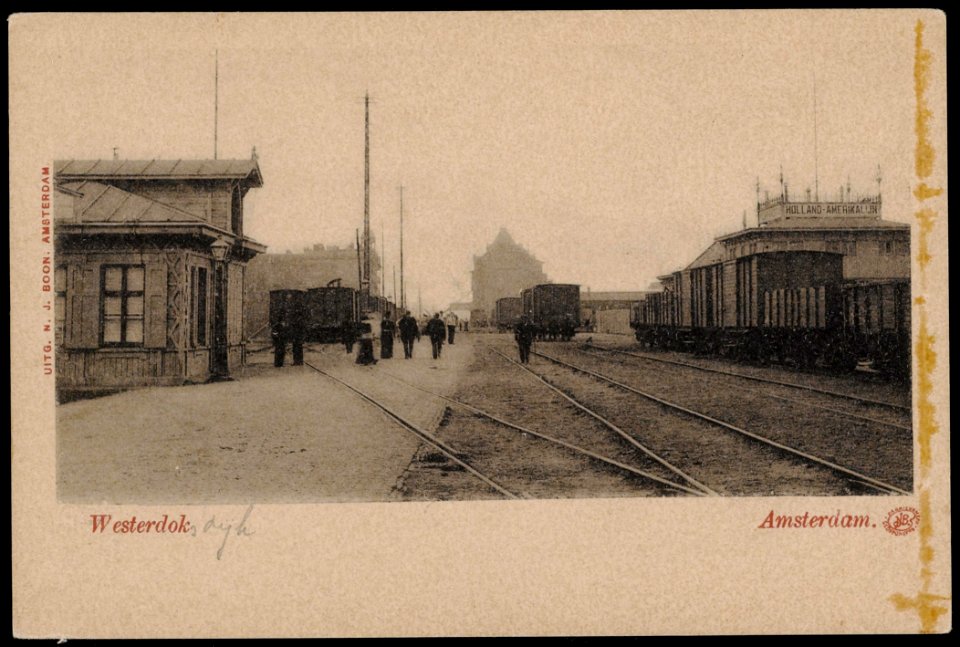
[865, 247]
[149, 271]
[502, 270]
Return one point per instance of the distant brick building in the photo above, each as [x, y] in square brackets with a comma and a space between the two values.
[141, 297]
[502, 270]
[315, 267]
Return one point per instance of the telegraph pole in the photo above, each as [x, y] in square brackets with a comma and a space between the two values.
[365, 286]
[216, 97]
[403, 294]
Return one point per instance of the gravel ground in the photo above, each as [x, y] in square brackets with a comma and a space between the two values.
[875, 450]
[521, 462]
[728, 463]
[294, 435]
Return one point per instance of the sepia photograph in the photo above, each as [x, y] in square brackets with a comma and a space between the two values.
[596, 264]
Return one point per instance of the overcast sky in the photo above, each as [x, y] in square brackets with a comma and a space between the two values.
[613, 146]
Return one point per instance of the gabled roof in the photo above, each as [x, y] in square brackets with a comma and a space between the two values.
[710, 256]
[159, 170]
[100, 202]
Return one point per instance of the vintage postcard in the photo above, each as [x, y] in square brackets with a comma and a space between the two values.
[471, 324]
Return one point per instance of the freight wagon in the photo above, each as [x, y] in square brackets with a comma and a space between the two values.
[507, 312]
[327, 309]
[554, 308]
[786, 306]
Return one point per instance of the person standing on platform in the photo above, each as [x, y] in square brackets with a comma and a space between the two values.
[437, 332]
[409, 331]
[524, 333]
[278, 334]
[387, 331]
[365, 356]
[348, 334]
[450, 319]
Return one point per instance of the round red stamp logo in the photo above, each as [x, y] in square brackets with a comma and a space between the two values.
[902, 521]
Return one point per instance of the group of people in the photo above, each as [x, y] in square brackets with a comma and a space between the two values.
[410, 331]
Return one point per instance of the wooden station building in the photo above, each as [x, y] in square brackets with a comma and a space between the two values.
[149, 271]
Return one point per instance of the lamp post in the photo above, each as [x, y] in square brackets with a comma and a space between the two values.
[219, 364]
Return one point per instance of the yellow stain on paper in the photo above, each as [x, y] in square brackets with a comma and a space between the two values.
[928, 606]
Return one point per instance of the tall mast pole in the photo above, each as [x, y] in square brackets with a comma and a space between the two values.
[216, 98]
[366, 194]
[360, 271]
[816, 166]
[396, 301]
[403, 293]
[383, 262]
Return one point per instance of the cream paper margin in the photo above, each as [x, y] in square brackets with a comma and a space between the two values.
[614, 567]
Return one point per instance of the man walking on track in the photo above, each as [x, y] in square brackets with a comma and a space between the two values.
[523, 332]
[436, 331]
[409, 331]
[450, 319]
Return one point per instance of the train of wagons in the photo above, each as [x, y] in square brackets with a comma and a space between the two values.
[552, 308]
[322, 314]
[792, 307]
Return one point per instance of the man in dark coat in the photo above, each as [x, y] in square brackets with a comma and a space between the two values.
[409, 331]
[524, 333]
[387, 330]
[348, 334]
[437, 332]
[278, 334]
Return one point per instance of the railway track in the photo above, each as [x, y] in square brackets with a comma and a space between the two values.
[844, 472]
[428, 438]
[812, 405]
[756, 378]
[559, 442]
[455, 456]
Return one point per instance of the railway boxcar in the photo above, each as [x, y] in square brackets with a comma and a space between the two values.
[287, 313]
[554, 308]
[326, 310]
[876, 319]
[507, 312]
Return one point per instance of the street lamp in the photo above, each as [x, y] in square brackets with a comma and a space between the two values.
[219, 364]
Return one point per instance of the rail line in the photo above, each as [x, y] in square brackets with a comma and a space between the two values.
[620, 432]
[755, 378]
[574, 448]
[840, 412]
[848, 473]
[442, 447]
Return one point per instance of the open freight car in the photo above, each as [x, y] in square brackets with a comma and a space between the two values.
[554, 308]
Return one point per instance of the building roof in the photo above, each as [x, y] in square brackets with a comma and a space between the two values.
[160, 170]
[100, 202]
[710, 256]
[612, 296]
[821, 223]
[833, 222]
